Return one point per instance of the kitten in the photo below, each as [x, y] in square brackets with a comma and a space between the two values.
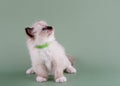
[47, 55]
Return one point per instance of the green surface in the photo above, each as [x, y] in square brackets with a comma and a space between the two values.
[88, 29]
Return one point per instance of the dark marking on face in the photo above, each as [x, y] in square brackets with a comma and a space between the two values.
[29, 32]
[47, 28]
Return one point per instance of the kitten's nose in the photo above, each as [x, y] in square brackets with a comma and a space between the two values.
[49, 28]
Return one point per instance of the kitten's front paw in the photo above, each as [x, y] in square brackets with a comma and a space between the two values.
[40, 79]
[61, 79]
[71, 70]
[30, 71]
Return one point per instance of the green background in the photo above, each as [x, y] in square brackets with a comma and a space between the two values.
[88, 29]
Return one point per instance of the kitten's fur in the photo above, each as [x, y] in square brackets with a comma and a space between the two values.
[49, 60]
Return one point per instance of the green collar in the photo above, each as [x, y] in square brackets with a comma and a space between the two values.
[42, 46]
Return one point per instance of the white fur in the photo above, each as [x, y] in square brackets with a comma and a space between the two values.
[30, 71]
[50, 60]
[61, 79]
[40, 79]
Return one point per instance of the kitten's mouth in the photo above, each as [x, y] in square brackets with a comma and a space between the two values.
[50, 32]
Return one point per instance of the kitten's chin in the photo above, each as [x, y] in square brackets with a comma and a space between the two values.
[50, 32]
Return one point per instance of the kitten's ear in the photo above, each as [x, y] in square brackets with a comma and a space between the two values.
[29, 32]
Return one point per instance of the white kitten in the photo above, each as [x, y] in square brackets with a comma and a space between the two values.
[47, 55]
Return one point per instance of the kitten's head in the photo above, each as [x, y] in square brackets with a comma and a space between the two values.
[41, 32]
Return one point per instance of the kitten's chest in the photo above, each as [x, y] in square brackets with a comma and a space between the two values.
[42, 56]
[45, 54]
[46, 59]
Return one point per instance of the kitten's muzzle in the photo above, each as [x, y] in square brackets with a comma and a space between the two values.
[48, 28]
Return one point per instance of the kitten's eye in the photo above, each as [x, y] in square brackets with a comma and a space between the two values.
[43, 29]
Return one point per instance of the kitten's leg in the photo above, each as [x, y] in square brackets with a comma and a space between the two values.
[30, 71]
[41, 73]
[59, 76]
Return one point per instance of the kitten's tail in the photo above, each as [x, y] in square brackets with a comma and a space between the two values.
[71, 59]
